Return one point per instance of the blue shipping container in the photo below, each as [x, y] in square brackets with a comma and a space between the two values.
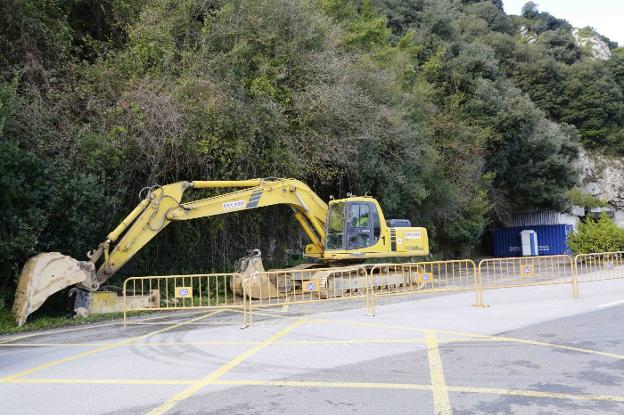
[551, 240]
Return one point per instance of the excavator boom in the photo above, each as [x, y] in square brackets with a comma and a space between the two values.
[47, 273]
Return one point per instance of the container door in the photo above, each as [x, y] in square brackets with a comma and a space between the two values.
[528, 240]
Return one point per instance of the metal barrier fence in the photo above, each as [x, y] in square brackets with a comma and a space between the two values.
[599, 266]
[299, 286]
[424, 277]
[526, 271]
[182, 292]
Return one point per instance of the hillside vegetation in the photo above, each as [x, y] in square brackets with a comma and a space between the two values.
[441, 109]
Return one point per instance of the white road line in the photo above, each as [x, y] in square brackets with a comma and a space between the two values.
[611, 304]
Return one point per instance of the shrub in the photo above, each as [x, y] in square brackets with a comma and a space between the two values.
[602, 235]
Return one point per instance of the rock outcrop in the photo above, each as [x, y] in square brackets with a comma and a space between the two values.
[602, 177]
[592, 43]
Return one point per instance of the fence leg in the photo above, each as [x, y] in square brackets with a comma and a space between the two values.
[575, 284]
[370, 295]
[479, 289]
[246, 312]
[124, 305]
[250, 305]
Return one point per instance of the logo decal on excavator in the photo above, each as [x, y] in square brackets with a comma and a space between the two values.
[412, 235]
[237, 204]
[311, 286]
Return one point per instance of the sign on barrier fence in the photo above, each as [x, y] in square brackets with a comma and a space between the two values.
[424, 277]
[182, 292]
[526, 271]
[599, 266]
[299, 286]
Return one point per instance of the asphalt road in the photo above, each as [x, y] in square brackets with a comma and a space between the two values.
[534, 350]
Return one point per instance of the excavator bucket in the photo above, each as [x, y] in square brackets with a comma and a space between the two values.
[43, 275]
[249, 283]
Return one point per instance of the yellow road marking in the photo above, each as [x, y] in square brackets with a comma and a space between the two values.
[85, 327]
[43, 333]
[316, 384]
[188, 392]
[536, 394]
[101, 349]
[272, 313]
[144, 382]
[223, 342]
[554, 346]
[474, 336]
[441, 401]
[329, 385]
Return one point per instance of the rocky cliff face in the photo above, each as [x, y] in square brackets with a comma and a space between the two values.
[592, 43]
[602, 177]
[586, 39]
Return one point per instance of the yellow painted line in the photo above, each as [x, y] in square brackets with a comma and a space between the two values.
[188, 392]
[474, 336]
[441, 401]
[329, 385]
[145, 382]
[226, 342]
[47, 332]
[315, 384]
[482, 337]
[273, 313]
[100, 349]
[82, 327]
[536, 394]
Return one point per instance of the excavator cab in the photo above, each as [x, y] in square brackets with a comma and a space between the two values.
[356, 229]
[352, 225]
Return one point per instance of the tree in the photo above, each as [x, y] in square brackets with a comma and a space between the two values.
[616, 66]
[529, 10]
[593, 102]
[594, 236]
[561, 45]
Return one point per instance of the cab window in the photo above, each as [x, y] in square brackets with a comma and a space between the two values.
[363, 225]
[335, 226]
[359, 215]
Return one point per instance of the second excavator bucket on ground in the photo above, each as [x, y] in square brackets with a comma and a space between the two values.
[43, 275]
[249, 282]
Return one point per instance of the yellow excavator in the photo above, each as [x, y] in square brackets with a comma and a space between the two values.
[347, 231]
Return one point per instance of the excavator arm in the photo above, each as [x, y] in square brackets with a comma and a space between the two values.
[47, 273]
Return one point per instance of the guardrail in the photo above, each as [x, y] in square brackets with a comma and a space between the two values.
[423, 278]
[599, 266]
[299, 286]
[497, 273]
[182, 292]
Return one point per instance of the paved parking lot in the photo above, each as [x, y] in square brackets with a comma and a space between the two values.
[535, 350]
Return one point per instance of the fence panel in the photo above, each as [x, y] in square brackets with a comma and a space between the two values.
[526, 271]
[599, 266]
[299, 286]
[424, 277]
[182, 292]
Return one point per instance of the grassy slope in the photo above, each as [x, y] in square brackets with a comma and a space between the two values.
[8, 325]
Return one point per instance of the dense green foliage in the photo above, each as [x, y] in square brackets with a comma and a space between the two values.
[435, 107]
[579, 198]
[566, 81]
[601, 235]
